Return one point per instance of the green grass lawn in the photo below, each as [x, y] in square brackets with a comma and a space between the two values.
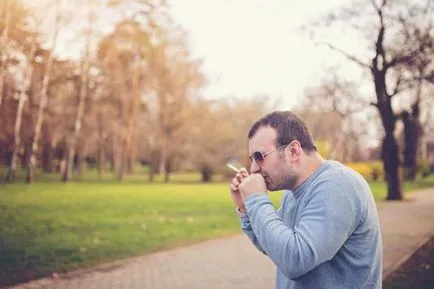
[379, 189]
[55, 227]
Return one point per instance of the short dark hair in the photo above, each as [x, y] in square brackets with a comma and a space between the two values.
[288, 126]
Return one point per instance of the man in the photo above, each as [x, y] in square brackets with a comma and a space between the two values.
[326, 232]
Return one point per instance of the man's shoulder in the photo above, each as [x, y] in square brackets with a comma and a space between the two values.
[339, 178]
[337, 170]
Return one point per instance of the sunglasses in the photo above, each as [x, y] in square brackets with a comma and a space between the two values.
[259, 157]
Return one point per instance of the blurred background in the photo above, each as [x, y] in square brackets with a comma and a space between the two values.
[137, 104]
[175, 85]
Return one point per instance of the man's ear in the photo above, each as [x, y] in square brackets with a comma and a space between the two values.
[295, 149]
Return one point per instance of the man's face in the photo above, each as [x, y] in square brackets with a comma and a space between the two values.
[276, 166]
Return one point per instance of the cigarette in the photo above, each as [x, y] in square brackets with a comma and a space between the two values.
[233, 168]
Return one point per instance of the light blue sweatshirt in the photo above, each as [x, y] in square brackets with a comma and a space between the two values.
[325, 234]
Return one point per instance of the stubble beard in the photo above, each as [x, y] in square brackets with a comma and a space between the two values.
[286, 180]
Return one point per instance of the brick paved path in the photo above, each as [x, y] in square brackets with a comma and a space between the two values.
[233, 263]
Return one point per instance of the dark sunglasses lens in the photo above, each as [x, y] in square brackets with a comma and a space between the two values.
[259, 158]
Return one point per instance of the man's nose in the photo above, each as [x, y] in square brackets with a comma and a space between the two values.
[254, 167]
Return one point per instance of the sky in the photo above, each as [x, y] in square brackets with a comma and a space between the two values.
[251, 47]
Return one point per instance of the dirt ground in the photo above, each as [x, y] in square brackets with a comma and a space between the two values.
[417, 272]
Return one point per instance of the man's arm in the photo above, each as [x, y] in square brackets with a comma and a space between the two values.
[327, 220]
[247, 229]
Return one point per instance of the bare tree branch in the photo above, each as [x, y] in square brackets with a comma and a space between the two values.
[398, 87]
[347, 55]
[379, 49]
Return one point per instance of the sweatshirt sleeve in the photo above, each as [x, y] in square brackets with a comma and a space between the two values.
[246, 226]
[327, 219]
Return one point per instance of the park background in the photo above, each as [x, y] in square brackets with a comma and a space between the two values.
[117, 117]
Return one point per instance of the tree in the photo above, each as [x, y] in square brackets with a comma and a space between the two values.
[3, 46]
[421, 67]
[175, 81]
[331, 109]
[43, 98]
[218, 133]
[10, 176]
[84, 77]
[391, 52]
[20, 46]
[124, 56]
[13, 33]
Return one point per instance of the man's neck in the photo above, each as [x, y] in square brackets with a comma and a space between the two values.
[310, 166]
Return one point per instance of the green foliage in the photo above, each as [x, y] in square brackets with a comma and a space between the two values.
[369, 170]
[423, 168]
[323, 148]
[379, 188]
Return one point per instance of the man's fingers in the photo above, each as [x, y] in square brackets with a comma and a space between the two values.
[244, 172]
[236, 182]
[239, 178]
[242, 175]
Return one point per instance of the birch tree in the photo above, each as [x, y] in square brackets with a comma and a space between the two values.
[3, 47]
[43, 97]
[84, 76]
[22, 97]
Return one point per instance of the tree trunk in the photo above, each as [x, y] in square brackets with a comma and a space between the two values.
[102, 139]
[84, 76]
[412, 136]
[47, 151]
[66, 163]
[63, 163]
[152, 165]
[130, 165]
[207, 173]
[411, 144]
[168, 170]
[10, 176]
[162, 166]
[134, 91]
[113, 156]
[47, 157]
[119, 159]
[390, 151]
[3, 59]
[390, 156]
[151, 173]
[25, 158]
[101, 161]
[79, 167]
[42, 102]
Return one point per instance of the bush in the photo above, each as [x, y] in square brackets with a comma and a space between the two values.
[369, 170]
[424, 168]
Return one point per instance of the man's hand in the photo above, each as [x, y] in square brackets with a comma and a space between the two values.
[235, 192]
[254, 183]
